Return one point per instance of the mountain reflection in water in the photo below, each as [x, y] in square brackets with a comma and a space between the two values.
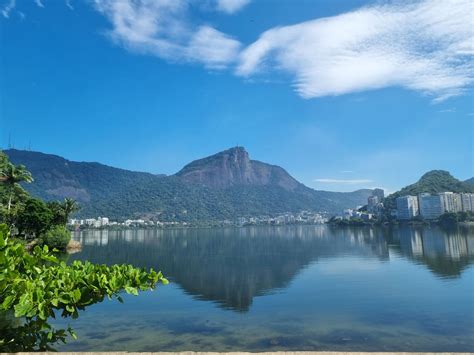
[231, 266]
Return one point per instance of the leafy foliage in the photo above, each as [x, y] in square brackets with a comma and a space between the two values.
[56, 238]
[34, 218]
[11, 175]
[36, 286]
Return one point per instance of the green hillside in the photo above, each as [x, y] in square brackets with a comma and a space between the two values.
[432, 182]
[117, 193]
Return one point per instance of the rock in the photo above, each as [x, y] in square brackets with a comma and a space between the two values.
[73, 247]
[234, 167]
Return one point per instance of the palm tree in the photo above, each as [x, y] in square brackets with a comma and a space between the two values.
[11, 176]
[69, 206]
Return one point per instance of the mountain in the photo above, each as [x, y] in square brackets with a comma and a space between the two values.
[223, 186]
[470, 181]
[432, 182]
[233, 167]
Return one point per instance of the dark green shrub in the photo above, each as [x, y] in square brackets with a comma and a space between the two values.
[56, 238]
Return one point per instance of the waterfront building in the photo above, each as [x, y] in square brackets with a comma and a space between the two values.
[431, 206]
[451, 201]
[347, 213]
[467, 202]
[372, 202]
[89, 222]
[407, 207]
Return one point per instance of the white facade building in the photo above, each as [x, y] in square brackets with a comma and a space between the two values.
[467, 202]
[452, 201]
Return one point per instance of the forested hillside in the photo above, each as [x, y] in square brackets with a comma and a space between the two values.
[224, 186]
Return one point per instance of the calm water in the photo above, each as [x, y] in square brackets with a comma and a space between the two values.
[286, 288]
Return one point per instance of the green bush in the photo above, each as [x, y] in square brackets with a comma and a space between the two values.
[56, 238]
[35, 285]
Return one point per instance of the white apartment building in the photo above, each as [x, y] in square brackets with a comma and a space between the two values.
[431, 206]
[467, 202]
[407, 207]
[452, 202]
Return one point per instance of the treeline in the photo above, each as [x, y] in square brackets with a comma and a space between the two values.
[30, 218]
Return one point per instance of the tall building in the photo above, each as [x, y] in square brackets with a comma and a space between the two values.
[379, 193]
[407, 207]
[431, 206]
[452, 201]
[467, 202]
[372, 203]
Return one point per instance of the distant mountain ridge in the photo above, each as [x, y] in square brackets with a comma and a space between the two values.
[225, 185]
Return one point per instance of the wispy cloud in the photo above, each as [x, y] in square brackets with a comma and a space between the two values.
[8, 8]
[425, 46]
[231, 6]
[69, 5]
[347, 171]
[448, 110]
[344, 181]
[162, 28]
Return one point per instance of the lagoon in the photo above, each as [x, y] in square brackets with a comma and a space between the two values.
[285, 288]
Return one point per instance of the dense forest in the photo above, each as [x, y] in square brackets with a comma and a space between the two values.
[118, 193]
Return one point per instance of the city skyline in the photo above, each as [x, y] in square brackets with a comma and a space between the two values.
[149, 86]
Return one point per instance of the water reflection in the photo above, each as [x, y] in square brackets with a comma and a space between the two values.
[232, 266]
[445, 252]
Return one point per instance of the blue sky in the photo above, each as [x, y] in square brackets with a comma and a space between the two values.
[342, 94]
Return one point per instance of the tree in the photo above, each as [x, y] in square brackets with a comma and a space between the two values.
[56, 209]
[11, 176]
[62, 210]
[448, 219]
[34, 218]
[69, 206]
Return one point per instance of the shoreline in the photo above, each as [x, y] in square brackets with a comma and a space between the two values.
[248, 353]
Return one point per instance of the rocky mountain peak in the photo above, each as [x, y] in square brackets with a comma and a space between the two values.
[234, 167]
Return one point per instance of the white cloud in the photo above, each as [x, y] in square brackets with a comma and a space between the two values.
[212, 47]
[69, 5]
[39, 3]
[231, 6]
[8, 8]
[344, 181]
[426, 46]
[162, 28]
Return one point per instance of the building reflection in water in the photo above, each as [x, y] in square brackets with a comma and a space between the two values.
[231, 266]
[445, 252]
